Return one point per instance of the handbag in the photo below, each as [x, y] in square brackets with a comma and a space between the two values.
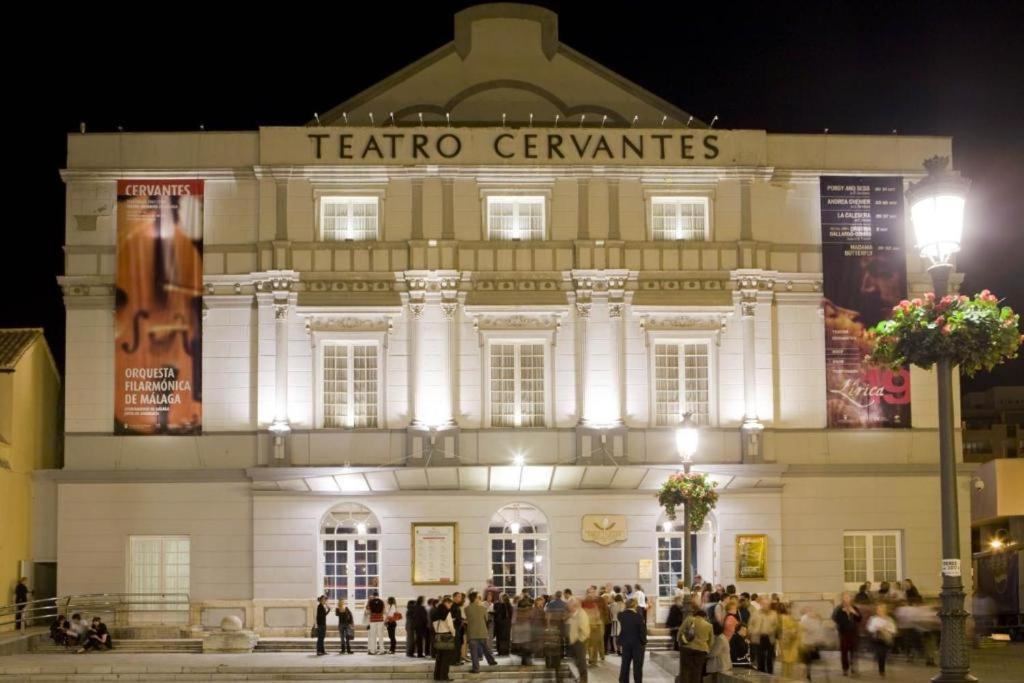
[313, 632]
[444, 641]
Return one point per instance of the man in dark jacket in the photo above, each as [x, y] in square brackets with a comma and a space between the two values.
[418, 623]
[847, 619]
[21, 592]
[674, 621]
[321, 624]
[633, 641]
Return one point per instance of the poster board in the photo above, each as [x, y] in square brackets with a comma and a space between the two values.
[435, 550]
[751, 556]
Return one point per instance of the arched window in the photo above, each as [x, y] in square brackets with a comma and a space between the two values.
[518, 535]
[670, 563]
[350, 542]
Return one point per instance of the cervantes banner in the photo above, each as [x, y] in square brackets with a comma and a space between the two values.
[865, 275]
[159, 300]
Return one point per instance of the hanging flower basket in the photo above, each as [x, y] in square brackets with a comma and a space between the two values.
[974, 333]
[696, 489]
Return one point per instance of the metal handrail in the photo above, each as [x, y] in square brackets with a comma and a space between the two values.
[117, 604]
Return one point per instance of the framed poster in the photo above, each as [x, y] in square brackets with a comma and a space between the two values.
[435, 551]
[645, 570]
[751, 556]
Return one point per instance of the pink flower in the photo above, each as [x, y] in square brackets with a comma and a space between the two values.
[941, 320]
[963, 298]
[929, 297]
[916, 302]
[946, 329]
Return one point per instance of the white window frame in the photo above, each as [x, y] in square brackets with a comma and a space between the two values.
[352, 602]
[324, 200]
[702, 198]
[516, 200]
[656, 337]
[323, 338]
[543, 337]
[869, 535]
[163, 539]
[543, 537]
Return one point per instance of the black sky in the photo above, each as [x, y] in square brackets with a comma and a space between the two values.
[922, 68]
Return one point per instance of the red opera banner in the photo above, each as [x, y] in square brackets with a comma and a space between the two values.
[159, 300]
[864, 268]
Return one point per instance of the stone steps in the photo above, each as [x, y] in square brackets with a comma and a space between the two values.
[194, 645]
[87, 668]
[359, 644]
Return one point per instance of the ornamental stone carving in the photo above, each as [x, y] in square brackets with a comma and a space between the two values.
[349, 323]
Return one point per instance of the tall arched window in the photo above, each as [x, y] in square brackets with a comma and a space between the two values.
[350, 552]
[518, 535]
[670, 563]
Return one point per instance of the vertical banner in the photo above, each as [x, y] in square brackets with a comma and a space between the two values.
[159, 299]
[865, 275]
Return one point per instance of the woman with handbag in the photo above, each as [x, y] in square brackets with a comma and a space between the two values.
[391, 617]
[345, 627]
[444, 639]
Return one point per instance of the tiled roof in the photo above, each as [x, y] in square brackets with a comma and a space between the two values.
[14, 343]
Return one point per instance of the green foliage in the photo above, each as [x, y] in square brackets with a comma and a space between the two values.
[974, 333]
[696, 489]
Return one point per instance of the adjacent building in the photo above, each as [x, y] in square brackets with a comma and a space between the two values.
[29, 441]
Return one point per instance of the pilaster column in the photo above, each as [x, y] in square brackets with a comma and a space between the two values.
[616, 352]
[279, 286]
[582, 312]
[752, 427]
[417, 364]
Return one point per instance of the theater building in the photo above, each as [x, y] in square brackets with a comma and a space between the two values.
[483, 291]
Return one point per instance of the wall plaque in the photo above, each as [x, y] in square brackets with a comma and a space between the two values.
[751, 556]
[603, 529]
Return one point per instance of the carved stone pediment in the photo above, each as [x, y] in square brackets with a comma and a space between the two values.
[712, 321]
[349, 322]
[517, 321]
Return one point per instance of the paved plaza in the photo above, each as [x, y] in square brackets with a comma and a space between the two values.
[990, 665]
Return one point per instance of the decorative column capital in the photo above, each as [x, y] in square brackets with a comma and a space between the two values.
[448, 309]
[416, 309]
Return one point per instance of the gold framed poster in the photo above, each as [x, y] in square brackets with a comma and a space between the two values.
[435, 552]
[751, 556]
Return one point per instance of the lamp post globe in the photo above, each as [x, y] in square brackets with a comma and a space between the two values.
[937, 211]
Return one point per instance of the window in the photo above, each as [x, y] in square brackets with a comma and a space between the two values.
[348, 218]
[350, 381]
[519, 550]
[681, 373]
[679, 218]
[515, 218]
[350, 536]
[159, 564]
[871, 556]
[517, 384]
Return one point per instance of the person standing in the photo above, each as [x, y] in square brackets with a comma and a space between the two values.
[346, 627]
[21, 592]
[882, 629]
[789, 641]
[641, 601]
[459, 620]
[912, 594]
[502, 624]
[695, 639]
[321, 624]
[578, 635]
[476, 630]
[444, 639]
[674, 621]
[522, 631]
[632, 641]
[391, 618]
[764, 630]
[591, 605]
[374, 611]
[847, 619]
[418, 622]
[615, 608]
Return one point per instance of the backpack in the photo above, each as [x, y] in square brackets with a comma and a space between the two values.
[689, 630]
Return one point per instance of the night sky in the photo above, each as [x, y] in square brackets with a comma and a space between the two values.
[927, 68]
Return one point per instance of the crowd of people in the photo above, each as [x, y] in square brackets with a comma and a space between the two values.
[472, 627]
[725, 630]
[79, 634]
[717, 630]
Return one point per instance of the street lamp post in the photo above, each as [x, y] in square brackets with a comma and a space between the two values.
[937, 211]
[686, 446]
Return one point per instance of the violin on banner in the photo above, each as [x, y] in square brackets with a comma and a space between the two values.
[159, 299]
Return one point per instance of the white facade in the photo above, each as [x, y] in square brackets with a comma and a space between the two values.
[502, 285]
